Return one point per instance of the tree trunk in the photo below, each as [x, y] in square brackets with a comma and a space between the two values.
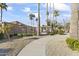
[8, 36]
[38, 31]
[74, 22]
[47, 16]
[53, 17]
[1, 18]
[50, 19]
[2, 26]
[33, 27]
[1, 15]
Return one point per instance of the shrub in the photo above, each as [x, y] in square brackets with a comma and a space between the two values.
[11, 35]
[55, 31]
[15, 34]
[24, 34]
[29, 34]
[61, 32]
[20, 35]
[76, 45]
[73, 43]
[1, 36]
[35, 33]
[70, 42]
[51, 33]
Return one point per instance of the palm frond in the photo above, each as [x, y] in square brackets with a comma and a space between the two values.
[3, 6]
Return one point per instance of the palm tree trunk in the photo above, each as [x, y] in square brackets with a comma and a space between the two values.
[47, 16]
[50, 19]
[8, 35]
[38, 32]
[1, 20]
[53, 17]
[2, 27]
[31, 27]
[1, 15]
[74, 22]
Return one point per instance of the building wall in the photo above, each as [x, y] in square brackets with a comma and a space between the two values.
[20, 28]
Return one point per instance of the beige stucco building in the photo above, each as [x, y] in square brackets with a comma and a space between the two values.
[18, 27]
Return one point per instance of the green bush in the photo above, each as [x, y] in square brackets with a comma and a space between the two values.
[15, 34]
[61, 32]
[11, 35]
[29, 34]
[24, 34]
[73, 43]
[1, 36]
[76, 45]
[51, 33]
[20, 35]
[35, 33]
[55, 31]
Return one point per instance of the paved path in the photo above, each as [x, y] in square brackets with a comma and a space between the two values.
[38, 47]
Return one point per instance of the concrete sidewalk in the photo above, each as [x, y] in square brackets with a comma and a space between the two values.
[35, 48]
[38, 47]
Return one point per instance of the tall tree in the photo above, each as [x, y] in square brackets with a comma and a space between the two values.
[3, 6]
[50, 18]
[56, 13]
[38, 31]
[32, 16]
[47, 14]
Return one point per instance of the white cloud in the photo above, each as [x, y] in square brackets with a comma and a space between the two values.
[26, 9]
[62, 7]
[58, 6]
[10, 8]
[67, 15]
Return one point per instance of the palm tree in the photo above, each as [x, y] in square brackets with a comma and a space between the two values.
[3, 6]
[47, 14]
[50, 18]
[32, 16]
[38, 31]
[56, 13]
[74, 22]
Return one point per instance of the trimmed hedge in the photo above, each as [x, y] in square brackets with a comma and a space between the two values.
[73, 43]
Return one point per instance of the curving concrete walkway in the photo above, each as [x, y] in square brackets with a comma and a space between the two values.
[35, 48]
[38, 47]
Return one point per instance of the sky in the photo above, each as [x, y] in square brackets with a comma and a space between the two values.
[20, 12]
